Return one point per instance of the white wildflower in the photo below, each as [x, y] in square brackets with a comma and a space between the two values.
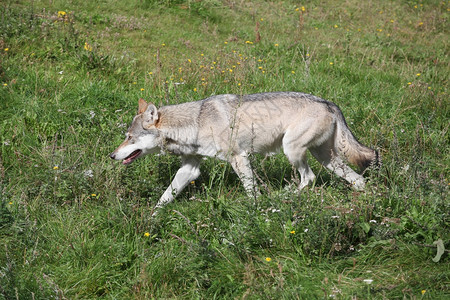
[88, 173]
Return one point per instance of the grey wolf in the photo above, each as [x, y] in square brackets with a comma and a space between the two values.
[230, 127]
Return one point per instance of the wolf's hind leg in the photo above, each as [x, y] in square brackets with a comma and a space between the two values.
[189, 171]
[299, 160]
[296, 155]
[326, 155]
[295, 145]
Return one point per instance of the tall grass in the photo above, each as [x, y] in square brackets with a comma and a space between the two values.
[74, 224]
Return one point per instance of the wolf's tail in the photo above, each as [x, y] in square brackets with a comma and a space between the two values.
[350, 148]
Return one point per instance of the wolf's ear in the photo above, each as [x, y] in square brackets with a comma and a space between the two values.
[150, 115]
[142, 106]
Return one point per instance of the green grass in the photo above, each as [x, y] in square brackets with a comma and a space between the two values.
[74, 224]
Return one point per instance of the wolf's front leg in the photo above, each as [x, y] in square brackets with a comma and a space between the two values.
[189, 171]
[241, 165]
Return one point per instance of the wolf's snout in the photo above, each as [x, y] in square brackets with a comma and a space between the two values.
[112, 155]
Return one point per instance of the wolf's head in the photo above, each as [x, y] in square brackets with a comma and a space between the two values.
[142, 137]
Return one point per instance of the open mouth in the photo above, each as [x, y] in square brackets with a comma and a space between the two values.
[130, 158]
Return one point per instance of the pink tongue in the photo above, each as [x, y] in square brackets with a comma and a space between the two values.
[131, 157]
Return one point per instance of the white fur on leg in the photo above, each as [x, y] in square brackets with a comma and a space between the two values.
[189, 171]
[241, 165]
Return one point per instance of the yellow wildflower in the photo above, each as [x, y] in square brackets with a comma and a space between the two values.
[293, 232]
[147, 234]
[268, 259]
[418, 74]
[93, 195]
[87, 47]
[10, 203]
[276, 45]
[423, 292]
[6, 49]
[142, 89]
[62, 14]
[55, 168]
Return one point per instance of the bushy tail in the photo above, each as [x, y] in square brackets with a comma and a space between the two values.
[348, 146]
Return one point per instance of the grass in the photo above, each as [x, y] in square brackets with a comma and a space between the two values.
[74, 224]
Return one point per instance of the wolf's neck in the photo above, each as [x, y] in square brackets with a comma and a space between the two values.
[178, 127]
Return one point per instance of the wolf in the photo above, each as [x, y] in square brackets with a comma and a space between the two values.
[230, 127]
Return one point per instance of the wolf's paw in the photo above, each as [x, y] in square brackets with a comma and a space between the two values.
[359, 184]
[306, 182]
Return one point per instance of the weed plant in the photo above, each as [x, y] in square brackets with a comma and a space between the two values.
[76, 225]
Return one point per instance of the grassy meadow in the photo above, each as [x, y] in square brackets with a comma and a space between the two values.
[76, 225]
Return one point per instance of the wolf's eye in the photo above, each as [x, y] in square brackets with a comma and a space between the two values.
[129, 137]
